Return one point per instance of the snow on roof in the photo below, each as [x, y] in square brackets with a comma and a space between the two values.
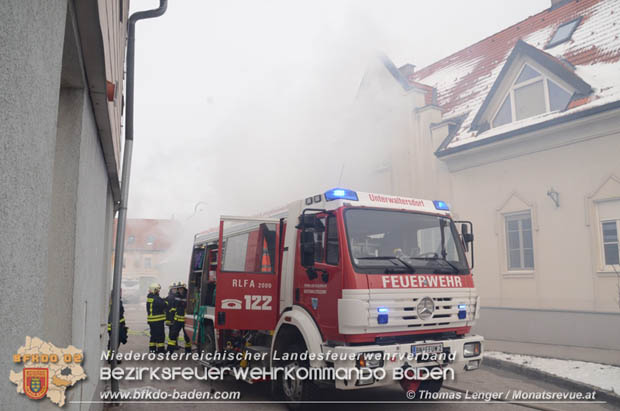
[464, 79]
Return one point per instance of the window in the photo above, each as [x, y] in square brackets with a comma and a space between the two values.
[333, 249]
[609, 214]
[504, 115]
[131, 239]
[531, 94]
[235, 249]
[400, 241]
[198, 258]
[150, 240]
[147, 262]
[563, 33]
[319, 244]
[250, 252]
[610, 242]
[429, 241]
[519, 244]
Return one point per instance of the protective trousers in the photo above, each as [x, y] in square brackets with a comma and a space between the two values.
[175, 329]
[156, 343]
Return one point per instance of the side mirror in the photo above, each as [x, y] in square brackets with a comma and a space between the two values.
[467, 237]
[467, 233]
[307, 249]
[310, 222]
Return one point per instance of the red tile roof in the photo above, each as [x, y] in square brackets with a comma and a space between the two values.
[150, 234]
[463, 79]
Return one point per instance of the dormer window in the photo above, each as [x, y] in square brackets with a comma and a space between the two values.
[531, 94]
[563, 33]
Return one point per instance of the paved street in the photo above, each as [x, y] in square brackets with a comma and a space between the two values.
[484, 380]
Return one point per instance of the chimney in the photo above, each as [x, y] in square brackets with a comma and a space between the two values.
[557, 3]
[407, 70]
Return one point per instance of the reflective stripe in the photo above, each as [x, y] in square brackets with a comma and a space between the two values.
[151, 344]
[161, 345]
[179, 318]
[149, 300]
[156, 318]
[171, 342]
[188, 345]
[122, 320]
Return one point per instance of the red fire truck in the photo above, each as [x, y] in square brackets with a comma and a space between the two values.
[343, 273]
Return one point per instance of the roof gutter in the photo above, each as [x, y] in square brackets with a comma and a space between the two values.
[122, 214]
[92, 48]
[528, 129]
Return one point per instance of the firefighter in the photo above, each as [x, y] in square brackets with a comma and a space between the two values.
[122, 327]
[172, 289]
[156, 316]
[180, 303]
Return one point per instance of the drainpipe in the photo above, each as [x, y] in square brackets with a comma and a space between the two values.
[122, 210]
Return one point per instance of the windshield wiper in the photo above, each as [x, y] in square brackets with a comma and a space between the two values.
[388, 257]
[437, 258]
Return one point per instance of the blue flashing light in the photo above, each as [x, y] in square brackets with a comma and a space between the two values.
[382, 318]
[441, 205]
[341, 193]
[462, 311]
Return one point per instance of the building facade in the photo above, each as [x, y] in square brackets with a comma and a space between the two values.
[148, 249]
[520, 132]
[60, 130]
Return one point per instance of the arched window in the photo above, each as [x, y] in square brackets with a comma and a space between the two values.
[531, 94]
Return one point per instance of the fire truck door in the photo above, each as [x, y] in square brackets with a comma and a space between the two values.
[248, 268]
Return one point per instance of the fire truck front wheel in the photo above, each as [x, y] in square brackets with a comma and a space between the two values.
[209, 338]
[295, 389]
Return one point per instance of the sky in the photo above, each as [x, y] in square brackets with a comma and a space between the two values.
[238, 103]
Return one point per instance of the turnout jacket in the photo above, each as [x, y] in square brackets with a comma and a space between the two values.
[180, 302]
[122, 336]
[171, 308]
[156, 308]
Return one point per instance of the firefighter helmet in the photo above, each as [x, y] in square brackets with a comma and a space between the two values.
[173, 285]
[154, 287]
[181, 284]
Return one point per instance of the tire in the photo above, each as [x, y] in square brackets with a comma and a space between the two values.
[293, 390]
[209, 333]
[431, 385]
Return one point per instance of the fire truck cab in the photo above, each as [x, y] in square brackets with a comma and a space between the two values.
[339, 275]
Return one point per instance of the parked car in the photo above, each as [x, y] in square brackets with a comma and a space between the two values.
[131, 290]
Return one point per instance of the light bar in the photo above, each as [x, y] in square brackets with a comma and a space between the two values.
[340, 194]
[441, 205]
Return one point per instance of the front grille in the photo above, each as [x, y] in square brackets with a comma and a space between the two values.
[402, 308]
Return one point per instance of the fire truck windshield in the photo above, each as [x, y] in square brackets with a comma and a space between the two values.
[384, 241]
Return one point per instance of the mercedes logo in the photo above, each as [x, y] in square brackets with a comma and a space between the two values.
[426, 307]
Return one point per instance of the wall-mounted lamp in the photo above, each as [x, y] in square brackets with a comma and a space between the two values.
[554, 196]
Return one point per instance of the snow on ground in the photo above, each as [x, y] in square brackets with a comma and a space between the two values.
[603, 376]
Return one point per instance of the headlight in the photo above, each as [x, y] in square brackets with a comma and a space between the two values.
[471, 349]
[370, 359]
